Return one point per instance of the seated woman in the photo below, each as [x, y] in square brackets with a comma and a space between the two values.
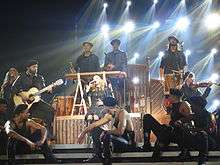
[97, 89]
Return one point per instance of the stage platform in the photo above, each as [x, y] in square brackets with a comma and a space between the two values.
[73, 153]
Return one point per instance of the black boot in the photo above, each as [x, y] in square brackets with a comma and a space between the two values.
[184, 154]
[156, 151]
[147, 145]
[107, 161]
[95, 159]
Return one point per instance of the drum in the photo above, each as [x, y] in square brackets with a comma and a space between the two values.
[64, 105]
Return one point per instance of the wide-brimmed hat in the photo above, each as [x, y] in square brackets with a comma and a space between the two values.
[89, 43]
[20, 109]
[31, 62]
[173, 40]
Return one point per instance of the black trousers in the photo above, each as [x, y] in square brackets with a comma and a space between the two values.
[45, 112]
[119, 143]
[184, 138]
[3, 142]
[18, 147]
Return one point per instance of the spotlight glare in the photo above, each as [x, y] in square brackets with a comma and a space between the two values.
[215, 103]
[105, 5]
[214, 77]
[182, 23]
[214, 51]
[128, 3]
[136, 55]
[183, 2]
[128, 27]
[155, 2]
[105, 29]
[161, 54]
[156, 25]
[212, 21]
[187, 52]
[135, 80]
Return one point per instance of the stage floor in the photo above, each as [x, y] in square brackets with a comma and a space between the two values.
[165, 163]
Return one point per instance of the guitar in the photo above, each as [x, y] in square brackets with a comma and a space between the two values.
[33, 94]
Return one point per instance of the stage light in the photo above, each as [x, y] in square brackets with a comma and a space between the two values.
[214, 51]
[155, 2]
[105, 5]
[156, 25]
[128, 3]
[105, 29]
[136, 55]
[128, 27]
[183, 2]
[214, 77]
[215, 104]
[182, 23]
[187, 52]
[135, 80]
[212, 21]
[161, 54]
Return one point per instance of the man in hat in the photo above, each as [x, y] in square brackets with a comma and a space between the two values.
[121, 134]
[87, 61]
[172, 66]
[30, 78]
[177, 131]
[116, 60]
[3, 119]
[26, 135]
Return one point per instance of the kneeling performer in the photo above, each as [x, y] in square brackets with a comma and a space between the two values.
[121, 135]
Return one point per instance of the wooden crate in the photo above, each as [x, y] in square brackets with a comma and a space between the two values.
[68, 128]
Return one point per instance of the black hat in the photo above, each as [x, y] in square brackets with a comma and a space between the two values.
[170, 38]
[115, 41]
[2, 101]
[110, 101]
[176, 92]
[31, 62]
[19, 109]
[87, 43]
[198, 100]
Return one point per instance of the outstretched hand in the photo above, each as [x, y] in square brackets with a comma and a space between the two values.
[81, 138]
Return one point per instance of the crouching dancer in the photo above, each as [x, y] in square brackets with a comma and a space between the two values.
[121, 135]
[26, 135]
[180, 130]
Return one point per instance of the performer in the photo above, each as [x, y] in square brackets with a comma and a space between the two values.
[26, 135]
[3, 119]
[10, 77]
[122, 135]
[117, 61]
[97, 89]
[190, 88]
[87, 61]
[172, 66]
[178, 131]
[30, 79]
